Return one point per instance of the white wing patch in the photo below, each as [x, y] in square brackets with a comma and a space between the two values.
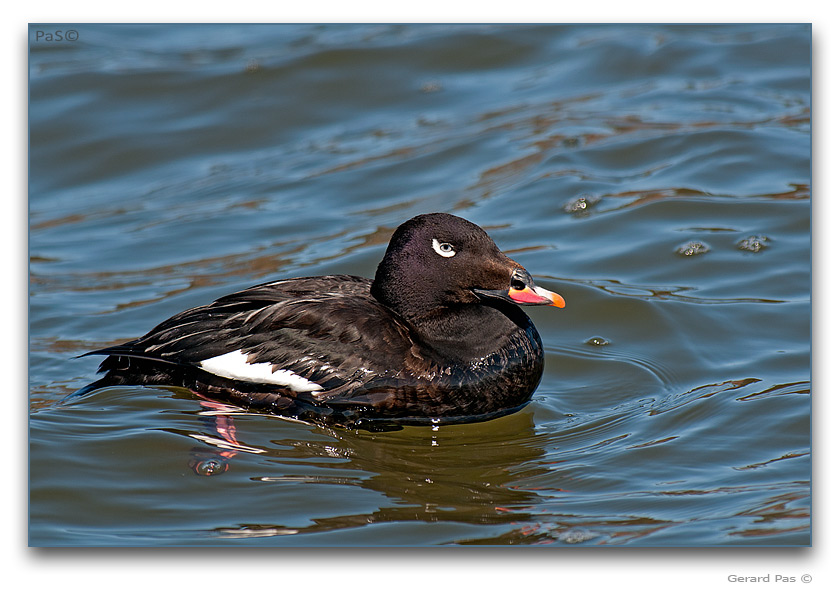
[235, 365]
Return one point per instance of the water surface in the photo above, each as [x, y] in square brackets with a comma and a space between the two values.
[657, 176]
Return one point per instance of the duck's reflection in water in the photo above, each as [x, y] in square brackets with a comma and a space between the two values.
[458, 473]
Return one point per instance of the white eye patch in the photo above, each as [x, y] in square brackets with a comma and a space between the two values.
[445, 249]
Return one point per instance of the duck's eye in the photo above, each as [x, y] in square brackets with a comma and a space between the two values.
[445, 249]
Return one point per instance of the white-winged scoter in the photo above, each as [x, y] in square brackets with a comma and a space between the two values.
[437, 336]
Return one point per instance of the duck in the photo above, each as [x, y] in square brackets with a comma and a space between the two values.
[438, 336]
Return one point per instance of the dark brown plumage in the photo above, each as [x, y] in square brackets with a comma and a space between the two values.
[437, 336]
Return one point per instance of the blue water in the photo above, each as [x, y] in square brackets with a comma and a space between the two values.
[170, 165]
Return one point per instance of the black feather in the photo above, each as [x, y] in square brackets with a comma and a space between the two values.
[415, 345]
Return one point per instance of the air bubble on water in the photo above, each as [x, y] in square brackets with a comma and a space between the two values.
[431, 86]
[252, 66]
[577, 536]
[210, 467]
[753, 243]
[597, 341]
[581, 205]
[693, 248]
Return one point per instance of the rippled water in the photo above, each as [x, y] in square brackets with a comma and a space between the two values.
[657, 176]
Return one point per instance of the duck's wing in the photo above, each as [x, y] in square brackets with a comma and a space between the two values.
[314, 334]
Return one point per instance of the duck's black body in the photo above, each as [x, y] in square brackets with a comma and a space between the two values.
[437, 336]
